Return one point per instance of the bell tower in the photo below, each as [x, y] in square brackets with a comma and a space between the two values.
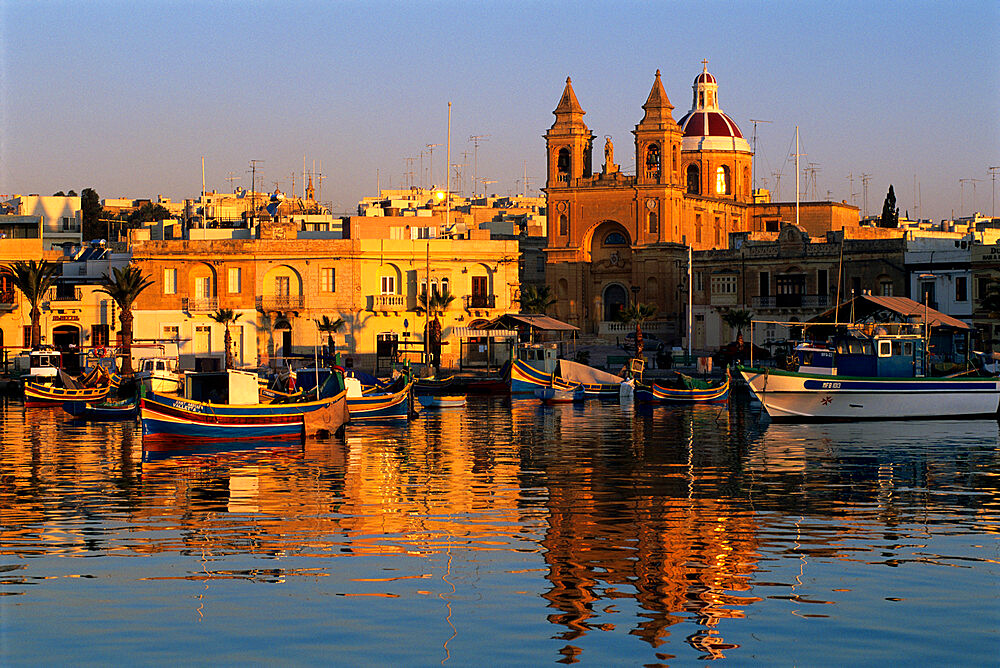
[657, 140]
[569, 142]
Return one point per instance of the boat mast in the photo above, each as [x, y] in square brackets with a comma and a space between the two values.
[796, 176]
[690, 300]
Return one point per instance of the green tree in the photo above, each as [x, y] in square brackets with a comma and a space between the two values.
[637, 313]
[147, 213]
[890, 212]
[226, 317]
[437, 305]
[125, 288]
[59, 193]
[90, 206]
[536, 298]
[738, 319]
[331, 327]
[33, 279]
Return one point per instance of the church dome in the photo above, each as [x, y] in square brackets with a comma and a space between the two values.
[706, 127]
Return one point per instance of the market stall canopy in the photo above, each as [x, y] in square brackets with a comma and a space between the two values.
[871, 308]
[542, 323]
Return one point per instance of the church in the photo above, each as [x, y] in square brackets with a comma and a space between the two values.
[615, 237]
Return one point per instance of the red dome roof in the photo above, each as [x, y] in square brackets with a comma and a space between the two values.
[709, 124]
[704, 77]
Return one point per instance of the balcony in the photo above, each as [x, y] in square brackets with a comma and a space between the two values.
[200, 304]
[791, 301]
[383, 303]
[65, 293]
[7, 300]
[480, 301]
[280, 302]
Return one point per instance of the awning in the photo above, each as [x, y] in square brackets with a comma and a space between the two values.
[470, 332]
[540, 322]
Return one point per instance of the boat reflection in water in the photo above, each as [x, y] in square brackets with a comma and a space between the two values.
[589, 533]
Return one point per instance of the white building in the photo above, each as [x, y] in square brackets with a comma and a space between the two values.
[62, 217]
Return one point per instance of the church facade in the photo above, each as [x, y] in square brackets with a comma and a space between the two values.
[614, 237]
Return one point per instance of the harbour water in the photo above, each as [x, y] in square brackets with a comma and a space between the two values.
[506, 534]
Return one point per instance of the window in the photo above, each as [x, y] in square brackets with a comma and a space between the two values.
[26, 331]
[718, 231]
[822, 281]
[885, 287]
[654, 226]
[563, 225]
[170, 281]
[693, 180]
[724, 285]
[328, 279]
[540, 266]
[772, 225]
[235, 280]
[445, 286]
[856, 285]
[389, 285]
[698, 286]
[697, 228]
[983, 283]
[99, 335]
[282, 286]
[203, 287]
[653, 161]
[927, 293]
[171, 333]
[562, 163]
[615, 239]
[765, 284]
[68, 224]
[722, 182]
[961, 288]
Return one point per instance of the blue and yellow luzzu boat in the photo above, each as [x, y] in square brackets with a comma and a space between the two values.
[376, 405]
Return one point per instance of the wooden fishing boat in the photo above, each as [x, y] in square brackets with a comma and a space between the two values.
[166, 418]
[99, 383]
[441, 401]
[104, 411]
[377, 405]
[686, 390]
[596, 384]
[560, 392]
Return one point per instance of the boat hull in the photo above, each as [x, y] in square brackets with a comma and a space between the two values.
[525, 379]
[797, 397]
[166, 418]
[380, 406]
[39, 395]
[102, 412]
[657, 394]
[443, 401]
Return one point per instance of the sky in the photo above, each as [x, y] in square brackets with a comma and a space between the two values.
[128, 97]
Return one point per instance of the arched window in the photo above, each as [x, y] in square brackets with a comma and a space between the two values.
[653, 161]
[615, 239]
[654, 224]
[693, 180]
[563, 225]
[562, 163]
[675, 158]
[722, 183]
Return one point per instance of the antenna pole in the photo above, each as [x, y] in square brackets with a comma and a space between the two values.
[993, 173]
[755, 121]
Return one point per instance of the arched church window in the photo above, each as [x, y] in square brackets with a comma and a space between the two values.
[654, 225]
[615, 239]
[653, 160]
[722, 183]
[563, 225]
[693, 180]
[562, 163]
[675, 158]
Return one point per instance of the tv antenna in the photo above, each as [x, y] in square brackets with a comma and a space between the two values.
[253, 187]
[231, 176]
[865, 178]
[431, 148]
[755, 121]
[476, 139]
[993, 173]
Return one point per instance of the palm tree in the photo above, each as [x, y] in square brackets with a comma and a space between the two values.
[225, 317]
[738, 319]
[331, 327]
[438, 304]
[125, 288]
[536, 298]
[638, 313]
[33, 279]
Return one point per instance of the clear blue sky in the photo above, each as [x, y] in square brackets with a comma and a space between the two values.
[126, 97]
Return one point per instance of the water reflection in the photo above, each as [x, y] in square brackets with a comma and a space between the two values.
[673, 527]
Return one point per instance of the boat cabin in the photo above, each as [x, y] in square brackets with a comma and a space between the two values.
[42, 363]
[222, 387]
[882, 355]
[539, 356]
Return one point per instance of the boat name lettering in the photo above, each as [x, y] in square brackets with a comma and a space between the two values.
[831, 386]
[185, 406]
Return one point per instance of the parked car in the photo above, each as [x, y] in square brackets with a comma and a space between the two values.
[650, 343]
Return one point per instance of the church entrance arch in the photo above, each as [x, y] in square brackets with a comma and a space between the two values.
[615, 299]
